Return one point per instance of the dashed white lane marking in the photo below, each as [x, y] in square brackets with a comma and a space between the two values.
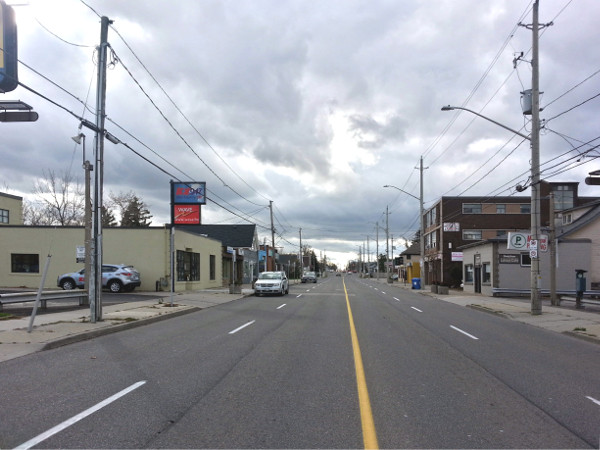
[67, 423]
[242, 327]
[397, 299]
[279, 307]
[463, 332]
[299, 295]
[416, 309]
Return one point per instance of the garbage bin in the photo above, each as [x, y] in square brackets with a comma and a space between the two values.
[416, 283]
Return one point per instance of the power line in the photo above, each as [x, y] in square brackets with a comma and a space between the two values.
[185, 117]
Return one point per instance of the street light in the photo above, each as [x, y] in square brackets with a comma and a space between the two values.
[518, 133]
[536, 304]
[422, 223]
[80, 139]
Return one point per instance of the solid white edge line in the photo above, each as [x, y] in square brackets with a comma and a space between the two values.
[242, 327]
[416, 309]
[67, 423]
[279, 307]
[597, 402]
[464, 332]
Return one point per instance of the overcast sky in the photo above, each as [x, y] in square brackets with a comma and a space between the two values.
[314, 105]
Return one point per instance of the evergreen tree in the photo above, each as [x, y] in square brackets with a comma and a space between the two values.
[108, 217]
[135, 214]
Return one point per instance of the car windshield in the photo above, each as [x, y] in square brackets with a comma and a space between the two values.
[269, 276]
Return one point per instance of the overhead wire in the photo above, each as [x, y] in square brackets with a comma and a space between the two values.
[186, 118]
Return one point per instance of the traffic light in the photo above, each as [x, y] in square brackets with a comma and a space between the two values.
[8, 48]
[592, 180]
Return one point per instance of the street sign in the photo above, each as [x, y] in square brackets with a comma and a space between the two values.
[18, 116]
[522, 241]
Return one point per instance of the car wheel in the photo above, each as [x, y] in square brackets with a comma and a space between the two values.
[287, 289]
[115, 286]
[67, 284]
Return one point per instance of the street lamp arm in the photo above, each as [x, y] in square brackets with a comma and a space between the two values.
[401, 190]
[451, 108]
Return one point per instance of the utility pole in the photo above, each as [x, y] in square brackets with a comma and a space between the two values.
[554, 300]
[274, 267]
[95, 274]
[377, 248]
[387, 243]
[392, 260]
[301, 256]
[88, 221]
[368, 257]
[536, 279]
[422, 222]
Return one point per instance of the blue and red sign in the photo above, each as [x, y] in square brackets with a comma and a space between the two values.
[189, 193]
[186, 201]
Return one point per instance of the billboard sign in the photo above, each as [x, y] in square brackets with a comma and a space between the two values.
[186, 214]
[189, 193]
[186, 200]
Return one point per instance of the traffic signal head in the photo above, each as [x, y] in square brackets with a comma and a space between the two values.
[8, 48]
[592, 180]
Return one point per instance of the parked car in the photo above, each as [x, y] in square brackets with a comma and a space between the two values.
[115, 278]
[271, 283]
[309, 277]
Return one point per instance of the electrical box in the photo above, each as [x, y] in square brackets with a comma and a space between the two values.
[580, 280]
[526, 102]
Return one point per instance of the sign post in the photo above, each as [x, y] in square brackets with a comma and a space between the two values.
[186, 199]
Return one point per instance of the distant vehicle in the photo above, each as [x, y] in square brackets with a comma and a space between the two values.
[271, 283]
[115, 278]
[309, 277]
[338, 274]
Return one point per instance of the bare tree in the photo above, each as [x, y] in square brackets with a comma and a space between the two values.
[60, 201]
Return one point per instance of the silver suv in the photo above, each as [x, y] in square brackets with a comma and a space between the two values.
[115, 278]
[271, 283]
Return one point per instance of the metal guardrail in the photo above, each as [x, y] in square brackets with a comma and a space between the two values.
[21, 297]
[564, 295]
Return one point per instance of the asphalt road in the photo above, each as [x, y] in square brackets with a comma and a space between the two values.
[281, 372]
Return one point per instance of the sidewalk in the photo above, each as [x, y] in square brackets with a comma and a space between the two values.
[581, 323]
[61, 328]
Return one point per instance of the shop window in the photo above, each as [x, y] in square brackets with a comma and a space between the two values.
[486, 273]
[188, 266]
[24, 263]
[469, 273]
[213, 267]
[525, 259]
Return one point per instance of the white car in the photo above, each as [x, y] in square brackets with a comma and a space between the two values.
[115, 277]
[271, 283]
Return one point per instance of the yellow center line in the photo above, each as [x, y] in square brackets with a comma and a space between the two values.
[366, 415]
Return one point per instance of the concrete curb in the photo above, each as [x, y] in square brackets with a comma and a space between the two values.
[109, 329]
